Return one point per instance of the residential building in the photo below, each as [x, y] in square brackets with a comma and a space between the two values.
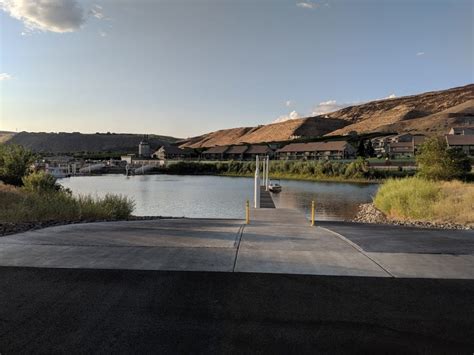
[462, 130]
[236, 152]
[214, 153]
[260, 150]
[464, 143]
[172, 152]
[317, 151]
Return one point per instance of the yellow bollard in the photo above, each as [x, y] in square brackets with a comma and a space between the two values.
[247, 212]
[312, 213]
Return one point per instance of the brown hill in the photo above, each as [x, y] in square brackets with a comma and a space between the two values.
[429, 113]
[305, 127]
[78, 142]
[413, 113]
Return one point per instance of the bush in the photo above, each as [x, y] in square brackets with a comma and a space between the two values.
[15, 162]
[40, 182]
[407, 198]
[437, 162]
[418, 199]
[20, 205]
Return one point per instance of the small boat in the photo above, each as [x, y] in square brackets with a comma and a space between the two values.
[274, 187]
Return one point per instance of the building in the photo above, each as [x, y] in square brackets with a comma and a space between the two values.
[215, 153]
[172, 152]
[236, 152]
[467, 130]
[464, 143]
[316, 151]
[144, 150]
[397, 146]
[258, 150]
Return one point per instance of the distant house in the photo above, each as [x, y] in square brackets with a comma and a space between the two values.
[461, 142]
[236, 152]
[172, 152]
[467, 130]
[398, 146]
[215, 153]
[316, 151]
[258, 150]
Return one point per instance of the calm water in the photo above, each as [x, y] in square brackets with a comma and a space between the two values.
[221, 197]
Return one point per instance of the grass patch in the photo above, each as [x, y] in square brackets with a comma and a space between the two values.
[417, 199]
[18, 205]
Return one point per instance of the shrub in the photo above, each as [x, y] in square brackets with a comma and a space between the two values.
[426, 200]
[20, 205]
[407, 198]
[15, 162]
[40, 182]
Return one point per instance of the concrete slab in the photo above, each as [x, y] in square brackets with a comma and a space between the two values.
[310, 262]
[282, 241]
[194, 233]
[427, 265]
[116, 257]
[399, 239]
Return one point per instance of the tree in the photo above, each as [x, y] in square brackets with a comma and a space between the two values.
[15, 162]
[437, 162]
[369, 149]
[361, 149]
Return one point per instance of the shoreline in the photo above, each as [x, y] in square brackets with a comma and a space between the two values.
[369, 214]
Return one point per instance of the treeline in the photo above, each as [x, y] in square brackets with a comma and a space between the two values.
[358, 169]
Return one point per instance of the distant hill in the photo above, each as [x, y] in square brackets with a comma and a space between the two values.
[282, 131]
[78, 142]
[428, 113]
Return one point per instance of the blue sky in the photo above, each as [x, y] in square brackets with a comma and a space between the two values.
[186, 67]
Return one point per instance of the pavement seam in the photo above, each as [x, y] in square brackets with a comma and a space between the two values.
[359, 249]
[237, 245]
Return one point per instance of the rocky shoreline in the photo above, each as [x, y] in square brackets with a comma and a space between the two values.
[368, 213]
[8, 228]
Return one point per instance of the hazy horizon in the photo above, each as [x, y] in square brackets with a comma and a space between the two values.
[184, 68]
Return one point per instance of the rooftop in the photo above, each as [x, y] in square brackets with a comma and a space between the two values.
[314, 146]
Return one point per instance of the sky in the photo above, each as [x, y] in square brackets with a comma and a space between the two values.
[187, 67]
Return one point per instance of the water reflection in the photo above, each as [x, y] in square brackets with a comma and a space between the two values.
[220, 197]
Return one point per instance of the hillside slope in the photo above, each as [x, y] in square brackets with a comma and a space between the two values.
[78, 142]
[406, 113]
[428, 113]
[305, 127]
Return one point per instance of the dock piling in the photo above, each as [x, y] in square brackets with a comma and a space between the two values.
[312, 212]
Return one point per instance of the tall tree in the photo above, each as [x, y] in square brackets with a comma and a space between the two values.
[437, 162]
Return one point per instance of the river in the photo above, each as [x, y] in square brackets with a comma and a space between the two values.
[220, 196]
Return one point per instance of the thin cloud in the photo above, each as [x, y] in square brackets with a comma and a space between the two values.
[96, 12]
[307, 5]
[420, 54]
[5, 76]
[293, 115]
[329, 106]
[288, 103]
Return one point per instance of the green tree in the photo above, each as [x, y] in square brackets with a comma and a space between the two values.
[369, 149]
[437, 162]
[361, 149]
[15, 162]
